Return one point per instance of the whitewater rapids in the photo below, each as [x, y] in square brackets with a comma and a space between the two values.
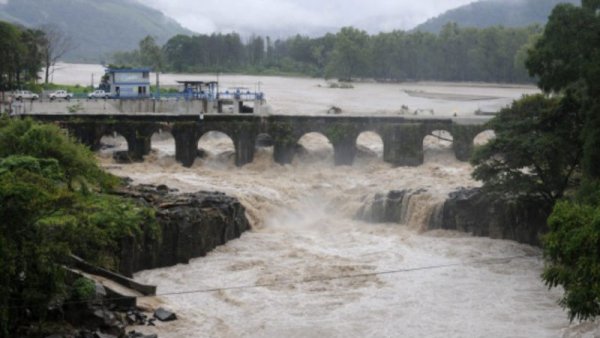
[305, 242]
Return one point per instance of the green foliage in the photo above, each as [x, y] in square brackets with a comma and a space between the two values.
[24, 137]
[573, 250]
[349, 57]
[43, 218]
[95, 223]
[536, 151]
[83, 289]
[29, 255]
[20, 56]
[567, 57]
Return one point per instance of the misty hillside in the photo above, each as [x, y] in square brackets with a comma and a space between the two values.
[486, 13]
[98, 28]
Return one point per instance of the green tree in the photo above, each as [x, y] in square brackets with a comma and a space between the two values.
[151, 54]
[536, 152]
[568, 56]
[573, 248]
[29, 256]
[349, 57]
[10, 50]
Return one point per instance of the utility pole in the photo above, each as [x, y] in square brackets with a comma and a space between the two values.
[157, 85]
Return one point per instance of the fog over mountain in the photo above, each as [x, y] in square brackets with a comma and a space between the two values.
[281, 18]
[486, 13]
[97, 28]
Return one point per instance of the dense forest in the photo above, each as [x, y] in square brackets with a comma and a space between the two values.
[493, 54]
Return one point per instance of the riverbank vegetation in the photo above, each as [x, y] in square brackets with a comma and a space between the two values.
[54, 201]
[548, 148]
[494, 54]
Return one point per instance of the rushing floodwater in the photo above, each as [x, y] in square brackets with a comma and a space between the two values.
[305, 240]
[305, 237]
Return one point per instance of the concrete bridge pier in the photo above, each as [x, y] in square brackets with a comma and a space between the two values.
[344, 153]
[344, 149]
[244, 143]
[403, 144]
[463, 137]
[186, 143]
[138, 142]
[283, 151]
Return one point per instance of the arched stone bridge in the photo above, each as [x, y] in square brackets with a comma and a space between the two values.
[402, 137]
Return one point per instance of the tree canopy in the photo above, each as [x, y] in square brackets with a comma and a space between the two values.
[536, 152]
[20, 55]
[456, 54]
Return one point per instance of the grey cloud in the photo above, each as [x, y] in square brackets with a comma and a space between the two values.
[285, 17]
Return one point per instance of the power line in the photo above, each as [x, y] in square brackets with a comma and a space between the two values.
[488, 261]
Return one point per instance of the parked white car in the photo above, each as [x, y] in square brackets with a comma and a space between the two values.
[98, 94]
[25, 95]
[60, 94]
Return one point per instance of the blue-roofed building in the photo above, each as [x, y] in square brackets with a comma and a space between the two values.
[129, 83]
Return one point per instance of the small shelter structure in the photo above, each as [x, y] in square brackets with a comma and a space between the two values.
[129, 82]
[200, 90]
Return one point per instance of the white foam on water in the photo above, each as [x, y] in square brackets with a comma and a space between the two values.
[304, 242]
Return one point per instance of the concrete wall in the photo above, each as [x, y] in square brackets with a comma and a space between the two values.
[101, 106]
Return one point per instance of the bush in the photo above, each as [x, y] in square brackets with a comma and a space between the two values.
[45, 218]
[572, 248]
[83, 289]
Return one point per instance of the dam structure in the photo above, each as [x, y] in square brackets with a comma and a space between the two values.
[402, 136]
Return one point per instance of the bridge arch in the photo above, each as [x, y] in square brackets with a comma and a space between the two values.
[163, 142]
[438, 143]
[218, 146]
[111, 141]
[313, 147]
[369, 143]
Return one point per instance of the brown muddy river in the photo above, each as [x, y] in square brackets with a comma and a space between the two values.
[305, 240]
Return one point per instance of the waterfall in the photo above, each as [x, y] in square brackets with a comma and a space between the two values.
[418, 209]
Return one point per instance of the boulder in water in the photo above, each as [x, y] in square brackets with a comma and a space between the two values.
[164, 315]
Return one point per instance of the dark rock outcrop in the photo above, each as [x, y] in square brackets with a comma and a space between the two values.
[191, 225]
[473, 211]
[466, 210]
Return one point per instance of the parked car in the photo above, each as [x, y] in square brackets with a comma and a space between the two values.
[60, 94]
[98, 94]
[25, 95]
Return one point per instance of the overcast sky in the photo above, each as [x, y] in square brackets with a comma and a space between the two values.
[280, 18]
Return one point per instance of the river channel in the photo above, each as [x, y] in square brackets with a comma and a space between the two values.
[308, 268]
